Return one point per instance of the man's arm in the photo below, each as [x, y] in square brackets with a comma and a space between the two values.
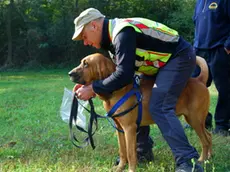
[125, 50]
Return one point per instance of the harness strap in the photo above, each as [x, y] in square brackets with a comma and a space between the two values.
[139, 98]
[135, 91]
[125, 111]
[120, 102]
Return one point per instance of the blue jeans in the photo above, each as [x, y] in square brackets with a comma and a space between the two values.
[169, 83]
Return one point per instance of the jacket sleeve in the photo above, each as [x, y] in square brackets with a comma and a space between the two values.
[125, 50]
[227, 42]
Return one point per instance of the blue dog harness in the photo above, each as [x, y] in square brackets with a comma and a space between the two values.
[134, 91]
[93, 115]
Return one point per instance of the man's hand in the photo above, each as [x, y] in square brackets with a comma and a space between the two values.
[75, 88]
[228, 51]
[84, 92]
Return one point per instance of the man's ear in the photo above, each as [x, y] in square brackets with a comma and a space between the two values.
[93, 24]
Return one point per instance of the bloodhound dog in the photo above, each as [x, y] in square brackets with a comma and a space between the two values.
[193, 104]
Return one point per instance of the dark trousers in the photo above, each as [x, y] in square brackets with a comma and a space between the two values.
[168, 86]
[219, 72]
[144, 141]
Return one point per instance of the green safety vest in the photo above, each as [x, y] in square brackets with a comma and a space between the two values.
[150, 61]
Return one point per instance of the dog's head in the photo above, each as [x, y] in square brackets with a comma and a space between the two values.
[92, 67]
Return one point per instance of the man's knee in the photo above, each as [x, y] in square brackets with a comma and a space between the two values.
[162, 106]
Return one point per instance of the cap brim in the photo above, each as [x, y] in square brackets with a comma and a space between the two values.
[77, 34]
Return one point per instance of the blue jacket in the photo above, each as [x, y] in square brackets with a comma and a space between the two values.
[212, 24]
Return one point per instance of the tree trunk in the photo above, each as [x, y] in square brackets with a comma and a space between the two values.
[9, 60]
[76, 4]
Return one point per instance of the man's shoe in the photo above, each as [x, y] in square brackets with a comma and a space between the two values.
[221, 132]
[189, 166]
[141, 158]
[145, 157]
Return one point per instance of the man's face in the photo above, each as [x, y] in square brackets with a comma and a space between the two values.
[91, 35]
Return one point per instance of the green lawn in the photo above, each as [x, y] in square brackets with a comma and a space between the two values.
[33, 137]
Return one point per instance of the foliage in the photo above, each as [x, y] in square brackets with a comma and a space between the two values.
[181, 19]
[41, 30]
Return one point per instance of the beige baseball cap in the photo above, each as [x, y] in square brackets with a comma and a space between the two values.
[84, 18]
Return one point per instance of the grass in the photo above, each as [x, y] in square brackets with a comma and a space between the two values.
[33, 137]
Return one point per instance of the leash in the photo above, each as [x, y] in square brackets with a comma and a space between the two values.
[92, 120]
[110, 115]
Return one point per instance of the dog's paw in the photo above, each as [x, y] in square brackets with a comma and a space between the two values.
[118, 168]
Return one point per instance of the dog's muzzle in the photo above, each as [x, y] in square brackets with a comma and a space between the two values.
[74, 76]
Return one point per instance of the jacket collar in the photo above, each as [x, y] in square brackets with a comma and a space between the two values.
[105, 41]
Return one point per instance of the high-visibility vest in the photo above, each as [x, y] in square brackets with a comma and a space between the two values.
[149, 61]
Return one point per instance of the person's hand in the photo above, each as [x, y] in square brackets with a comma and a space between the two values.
[75, 88]
[228, 51]
[84, 92]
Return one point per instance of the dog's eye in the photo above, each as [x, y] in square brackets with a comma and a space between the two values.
[85, 64]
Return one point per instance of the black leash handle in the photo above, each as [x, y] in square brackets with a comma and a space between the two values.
[73, 118]
[90, 132]
[93, 119]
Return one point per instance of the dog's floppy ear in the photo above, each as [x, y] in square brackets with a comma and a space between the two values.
[105, 67]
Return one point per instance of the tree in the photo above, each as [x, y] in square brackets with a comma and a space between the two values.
[9, 61]
[39, 32]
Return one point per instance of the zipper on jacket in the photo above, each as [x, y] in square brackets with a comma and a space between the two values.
[204, 5]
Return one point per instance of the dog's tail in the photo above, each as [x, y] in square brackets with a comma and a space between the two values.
[203, 76]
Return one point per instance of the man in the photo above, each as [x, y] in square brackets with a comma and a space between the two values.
[139, 44]
[212, 42]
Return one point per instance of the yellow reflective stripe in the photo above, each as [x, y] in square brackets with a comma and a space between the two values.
[164, 59]
[155, 25]
[152, 55]
[148, 70]
[154, 29]
[110, 30]
[163, 28]
[166, 30]
[121, 26]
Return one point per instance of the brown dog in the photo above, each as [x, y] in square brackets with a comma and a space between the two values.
[193, 104]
